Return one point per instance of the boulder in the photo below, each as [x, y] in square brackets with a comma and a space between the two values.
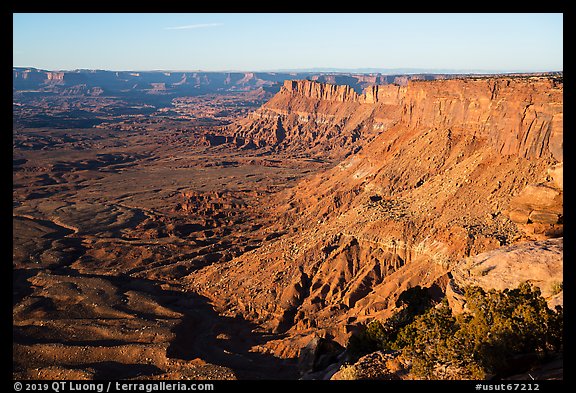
[539, 262]
[386, 366]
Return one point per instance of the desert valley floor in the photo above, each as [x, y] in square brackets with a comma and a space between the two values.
[106, 224]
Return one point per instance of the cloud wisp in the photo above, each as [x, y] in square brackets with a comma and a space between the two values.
[196, 26]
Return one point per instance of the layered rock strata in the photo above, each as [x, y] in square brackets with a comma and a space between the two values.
[459, 169]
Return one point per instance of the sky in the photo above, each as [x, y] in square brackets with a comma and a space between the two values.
[285, 41]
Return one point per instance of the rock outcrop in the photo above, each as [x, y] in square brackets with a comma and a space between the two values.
[320, 91]
[439, 182]
[317, 119]
[539, 262]
[380, 366]
[538, 209]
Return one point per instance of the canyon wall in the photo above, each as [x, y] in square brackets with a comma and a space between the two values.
[458, 168]
[317, 119]
[388, 94]
[323, 119]
[125, 83]
[518, 116]
[133, 83]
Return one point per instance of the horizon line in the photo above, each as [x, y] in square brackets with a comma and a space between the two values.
[334, 70]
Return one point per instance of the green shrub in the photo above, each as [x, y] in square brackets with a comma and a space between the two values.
[424, 341]
[376, 335]
[477, 344]
[370, 338]
[481, 342]
[557, 287]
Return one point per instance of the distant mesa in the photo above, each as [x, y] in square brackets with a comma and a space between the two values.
[126, 83]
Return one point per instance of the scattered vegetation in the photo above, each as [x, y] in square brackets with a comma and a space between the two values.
[557, 287]
[499, 331]
[348, 372]
[377, 336]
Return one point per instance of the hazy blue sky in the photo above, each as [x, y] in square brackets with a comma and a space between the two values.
[213, 42]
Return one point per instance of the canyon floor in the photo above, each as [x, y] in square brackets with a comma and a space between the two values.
[105, 223]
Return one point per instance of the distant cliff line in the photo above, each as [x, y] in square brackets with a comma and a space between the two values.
[181, 83]
[387, 93]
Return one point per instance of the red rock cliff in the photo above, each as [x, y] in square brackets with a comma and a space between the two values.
[518, 116]
[55, 76]
[308, 117]
[320, 91]
[459, 168]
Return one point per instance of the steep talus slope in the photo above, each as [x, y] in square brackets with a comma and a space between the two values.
[316, 119]
[462, 167]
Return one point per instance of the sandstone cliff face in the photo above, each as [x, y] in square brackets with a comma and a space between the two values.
[317, 119]
[439, 183]
[320, 91]
[518, 116]
[388, 94]
[538, 209]
[55, 76]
